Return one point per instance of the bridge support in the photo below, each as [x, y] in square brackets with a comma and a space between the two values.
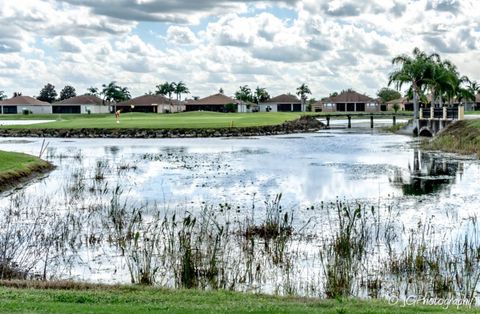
[394, 122]
[371, 121]
[328, 122]
[349, 121]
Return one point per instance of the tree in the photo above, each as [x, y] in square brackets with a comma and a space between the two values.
[48, 93]
[261, 95]
[302, 91]
[388, 94]
[244, 93]
[114, 93]
[221, 91]
[92, 91]
[181, 88]
[16, 94]
[165, 89]
[67, 92]
[2, 95]
[413, 71]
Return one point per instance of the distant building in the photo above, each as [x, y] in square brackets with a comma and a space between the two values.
[216, 103]
[400, 102]
[282, 103]
[83, 104]
[151, 103]
[347, 101]
[21, 104]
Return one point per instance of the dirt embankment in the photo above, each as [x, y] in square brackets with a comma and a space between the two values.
[462, 137]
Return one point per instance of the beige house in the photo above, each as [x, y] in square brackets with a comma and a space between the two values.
[151, 103]
[21, 104]
[400, 102]
[347, 101]
[214, 102]
[83, 104]
[282, 103]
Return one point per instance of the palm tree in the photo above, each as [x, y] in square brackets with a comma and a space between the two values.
[165, 89]
[181, 88]
[2, 95]
[92, 91]
[414, 71]
[261, 95]
[114, 93]
[244, 94]
[302, 91]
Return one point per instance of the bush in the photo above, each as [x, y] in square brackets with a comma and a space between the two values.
[230, 108]
[26, 111]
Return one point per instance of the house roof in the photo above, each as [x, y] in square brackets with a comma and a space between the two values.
[24, 100]
[350, 96]
[217, 99]
[284, 98]
[81, 100]
[400, 100]
[148, 100]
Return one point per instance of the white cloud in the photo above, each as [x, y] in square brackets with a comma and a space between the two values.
[329, 44]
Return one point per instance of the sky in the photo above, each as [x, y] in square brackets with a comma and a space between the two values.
[331, 45]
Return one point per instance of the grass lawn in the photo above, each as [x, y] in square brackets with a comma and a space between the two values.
[14, 166]
[185, 120]
[472, 112]
[161, 121]
[135, 299]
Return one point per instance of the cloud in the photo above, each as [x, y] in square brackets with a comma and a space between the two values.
[68, 44]
[452, 6]
[180, 35]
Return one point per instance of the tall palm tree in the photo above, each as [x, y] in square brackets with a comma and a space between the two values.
[414, 71]
[302, 91]
[92, 91]
[2, 95]
[166, 89]
[112, 92]
[181, 88]
[261, 95]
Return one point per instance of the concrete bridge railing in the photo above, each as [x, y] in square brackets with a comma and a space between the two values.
[434, 120]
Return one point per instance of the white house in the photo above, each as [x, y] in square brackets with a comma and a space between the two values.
[282, 103]
[81, 104]
[22, 104]
[151, 103]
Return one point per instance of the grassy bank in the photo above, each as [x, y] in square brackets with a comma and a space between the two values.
[462, 137]
[15, 167]
[24, 297]
[187, 120]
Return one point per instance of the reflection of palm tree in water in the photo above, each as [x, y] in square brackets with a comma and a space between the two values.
[431, 173]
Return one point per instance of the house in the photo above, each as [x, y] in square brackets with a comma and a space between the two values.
[215, 103]
[21, 104]
[282, 103]
[151, 103]
[348, 101]
[400, 102]
[81, 104]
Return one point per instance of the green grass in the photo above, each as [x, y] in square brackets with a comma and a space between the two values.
[462, 137]
[473, 112]
[187, 120]
[15, 166]
[135, 299]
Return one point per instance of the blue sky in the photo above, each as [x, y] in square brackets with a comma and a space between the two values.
[211, 44]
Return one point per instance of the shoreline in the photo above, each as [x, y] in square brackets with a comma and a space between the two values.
[304, 124]
[26, 170]
[462, 137]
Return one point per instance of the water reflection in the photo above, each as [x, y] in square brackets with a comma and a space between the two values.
[430, 173]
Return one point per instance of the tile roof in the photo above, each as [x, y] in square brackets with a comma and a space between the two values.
[81, 100]
[217, 99]
[148, 100]
[284, 98]
[24, 100]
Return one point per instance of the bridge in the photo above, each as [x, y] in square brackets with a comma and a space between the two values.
[433, 120]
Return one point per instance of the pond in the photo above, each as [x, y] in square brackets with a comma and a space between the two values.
[114, 207]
